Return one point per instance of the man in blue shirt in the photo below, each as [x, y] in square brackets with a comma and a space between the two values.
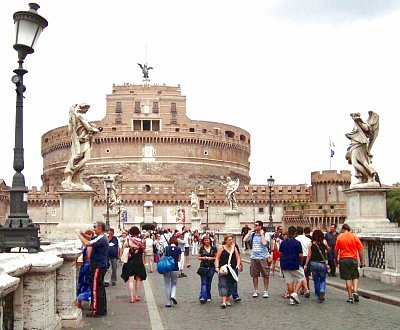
[259, 257]
[291, 258]
[98, 268]
[111, 273]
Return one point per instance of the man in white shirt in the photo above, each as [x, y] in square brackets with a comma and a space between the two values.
[305, 244]
[186, 238]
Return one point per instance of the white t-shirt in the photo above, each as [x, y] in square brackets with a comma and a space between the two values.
[149, 242]
[186, 238]
[305, 244]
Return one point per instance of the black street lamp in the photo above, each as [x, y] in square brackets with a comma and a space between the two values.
[207, 202]
[19, 230]
[108, 182]
[271, 182]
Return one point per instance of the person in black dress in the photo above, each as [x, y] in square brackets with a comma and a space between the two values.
[134, 271]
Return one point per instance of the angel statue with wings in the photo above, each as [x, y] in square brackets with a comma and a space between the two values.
[231, 187]
[81, 132]
[145, 70]
[362, 137]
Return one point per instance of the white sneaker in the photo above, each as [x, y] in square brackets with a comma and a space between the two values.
[255, 294]
[295, 297]
[265, 295]
[291, 301]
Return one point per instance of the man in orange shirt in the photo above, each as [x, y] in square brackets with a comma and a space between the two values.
[348, 250]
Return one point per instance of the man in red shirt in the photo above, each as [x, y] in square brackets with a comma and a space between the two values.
[348, 250]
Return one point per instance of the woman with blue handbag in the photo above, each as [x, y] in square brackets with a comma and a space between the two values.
[171, 277]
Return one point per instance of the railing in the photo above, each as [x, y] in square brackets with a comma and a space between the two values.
[376, 254]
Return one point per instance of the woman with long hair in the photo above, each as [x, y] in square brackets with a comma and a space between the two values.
[171, 278]
[227, 283]
[317, 257]
[206, 256]
[275, 244]
[134, 271]
[84, 282]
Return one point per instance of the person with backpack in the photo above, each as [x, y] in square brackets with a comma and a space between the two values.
[171, 278]
[259, 262]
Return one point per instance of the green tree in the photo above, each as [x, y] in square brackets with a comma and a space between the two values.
[393, 205]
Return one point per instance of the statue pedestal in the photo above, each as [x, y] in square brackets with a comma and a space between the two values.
[232, 221]
[76, 212]
[196, 223]
[366, 211]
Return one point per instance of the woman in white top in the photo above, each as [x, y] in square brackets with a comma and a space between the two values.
[149, 251]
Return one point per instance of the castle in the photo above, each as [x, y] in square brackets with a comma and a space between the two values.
[158, 156]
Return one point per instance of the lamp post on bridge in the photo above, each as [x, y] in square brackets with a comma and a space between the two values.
[108, 182]
[19, 230]
[271, 182]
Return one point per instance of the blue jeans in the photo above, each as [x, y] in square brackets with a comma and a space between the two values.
[319, 277]
[205, 288]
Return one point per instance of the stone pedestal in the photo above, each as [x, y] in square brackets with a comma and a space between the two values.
[366, 211]
[196, 223]
[232, 221]
[76, 212]
[70, 315]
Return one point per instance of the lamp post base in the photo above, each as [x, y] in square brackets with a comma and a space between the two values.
[23, 237]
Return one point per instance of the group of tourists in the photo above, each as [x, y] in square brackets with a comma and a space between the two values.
[298, 253]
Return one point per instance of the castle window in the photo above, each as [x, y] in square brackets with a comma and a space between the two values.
[191, 130]
[173, 107]
[260, 210]
[147, 188]
[146, 125]
[242, 138]
[46, 140]
[204, 130]
[155, 107]
[137, 125]
[114, 129]
[156, 125]
[118, 107]
[118, 118]
[229, 134]
[177, 129]
[137, 107]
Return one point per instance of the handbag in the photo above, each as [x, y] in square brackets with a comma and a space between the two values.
[166, 264]
[125, 255]
[224, 270]
[203, 271]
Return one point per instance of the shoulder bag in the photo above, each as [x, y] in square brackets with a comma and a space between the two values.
[224, 270]
[125, 254]
[166, 264]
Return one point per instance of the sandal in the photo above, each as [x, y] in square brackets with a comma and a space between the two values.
[132, 300]
[137, 298]
[286, 295]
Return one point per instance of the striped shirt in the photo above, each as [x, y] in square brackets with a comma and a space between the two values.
[260, 251]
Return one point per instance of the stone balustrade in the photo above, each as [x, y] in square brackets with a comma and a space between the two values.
[382, 257]
[38, 291]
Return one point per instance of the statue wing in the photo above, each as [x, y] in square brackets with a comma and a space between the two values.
[141, 66]
[150, 68]
[373, 124]
[236, 186]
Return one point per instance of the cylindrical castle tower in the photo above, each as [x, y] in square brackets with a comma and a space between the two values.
[148, 140]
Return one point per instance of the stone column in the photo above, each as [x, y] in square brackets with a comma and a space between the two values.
[39, 293]
[70, 315]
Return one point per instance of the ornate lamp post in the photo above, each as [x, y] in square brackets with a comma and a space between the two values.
[108, 182]
[19, 230]
[206, 202]
[271, 182]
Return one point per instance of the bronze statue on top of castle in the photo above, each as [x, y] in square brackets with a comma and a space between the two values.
[145, 70]
[231, 187]
[81, 137]
[358, 154]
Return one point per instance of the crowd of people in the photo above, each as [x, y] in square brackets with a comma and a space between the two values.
[298, 254]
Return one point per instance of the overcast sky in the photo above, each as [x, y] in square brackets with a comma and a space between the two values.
[289, 72]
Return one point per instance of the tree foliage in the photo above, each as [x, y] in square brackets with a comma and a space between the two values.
[393, 204]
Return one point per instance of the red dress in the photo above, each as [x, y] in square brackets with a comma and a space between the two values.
[275, 253]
